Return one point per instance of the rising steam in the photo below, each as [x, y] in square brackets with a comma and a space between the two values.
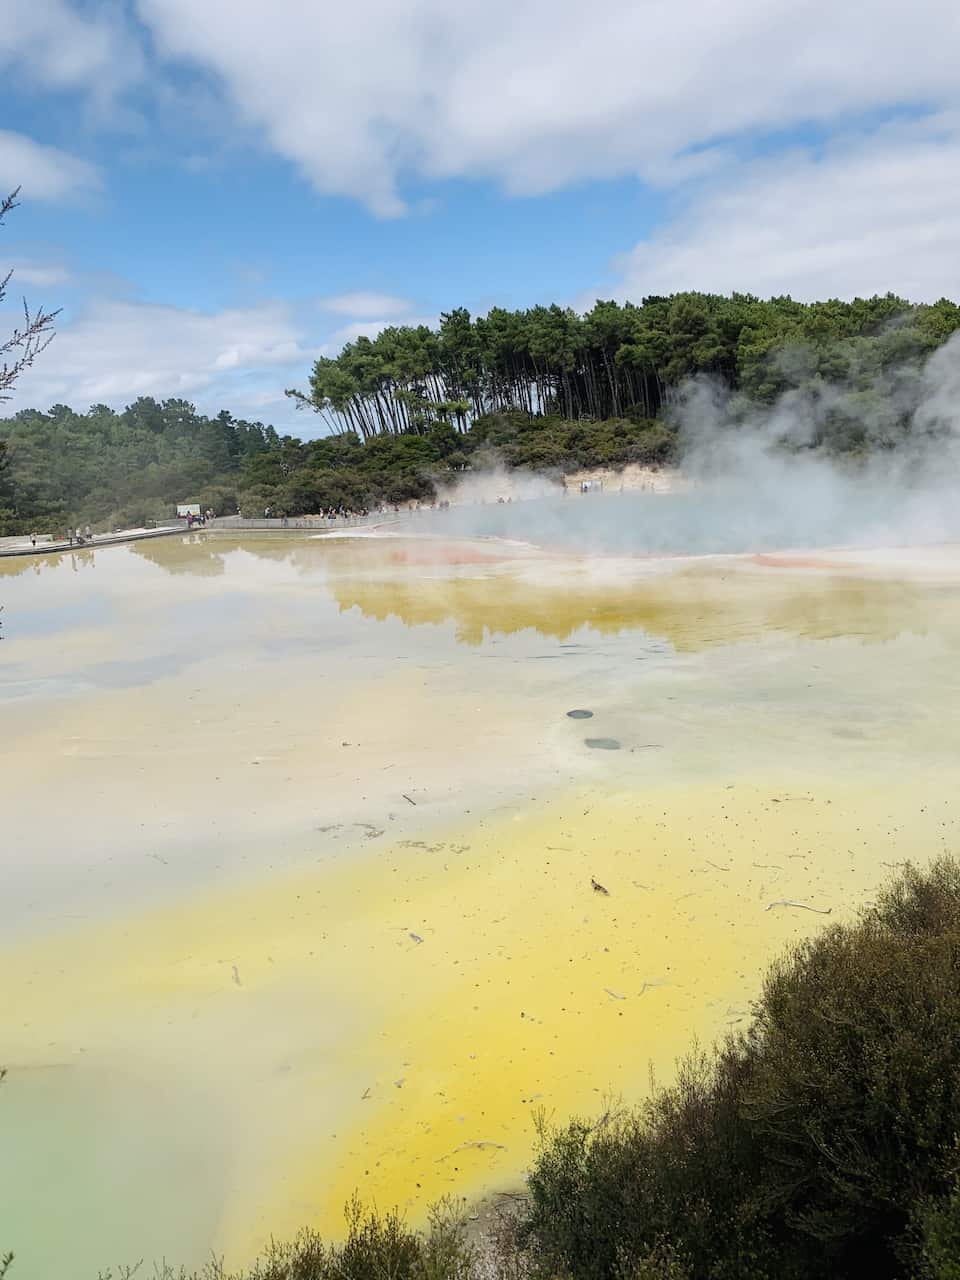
[758, 479]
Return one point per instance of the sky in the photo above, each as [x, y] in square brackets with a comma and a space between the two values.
[217, 192]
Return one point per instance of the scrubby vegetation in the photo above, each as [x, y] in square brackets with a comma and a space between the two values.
[377, 1247]
[823, 1142]
[113, 468]
[617, 361]
[544, 389]
[121, 469]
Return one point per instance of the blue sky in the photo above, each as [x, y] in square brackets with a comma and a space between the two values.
[218, 192]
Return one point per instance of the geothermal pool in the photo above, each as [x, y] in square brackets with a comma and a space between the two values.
[298, 840]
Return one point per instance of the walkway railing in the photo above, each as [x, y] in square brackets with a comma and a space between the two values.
[21, 545]
[298, 522]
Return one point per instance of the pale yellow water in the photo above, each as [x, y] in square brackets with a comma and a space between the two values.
[298, 842]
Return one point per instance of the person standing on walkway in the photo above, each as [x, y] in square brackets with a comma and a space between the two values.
[33, 539]
[87, 533]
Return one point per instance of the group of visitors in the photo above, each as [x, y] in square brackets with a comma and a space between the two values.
[72, 536]
[326, 513]
[344, 513]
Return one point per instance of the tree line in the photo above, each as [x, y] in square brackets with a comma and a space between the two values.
[543, 389]
[113, 468]
[616, 361]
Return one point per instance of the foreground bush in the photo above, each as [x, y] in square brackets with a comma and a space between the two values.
[377, 1247]
[823, 1142]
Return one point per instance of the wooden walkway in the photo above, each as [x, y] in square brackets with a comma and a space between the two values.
[221, 525]
[98, 540]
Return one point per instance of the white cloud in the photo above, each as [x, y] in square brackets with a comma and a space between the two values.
[867, 215]
[382, 95]
[116, 351]
[370, 328]
[239, 358]
[379, 95]
[44, 173]
[362, 303]
[59, 47]
[39, 275]
[550, 92]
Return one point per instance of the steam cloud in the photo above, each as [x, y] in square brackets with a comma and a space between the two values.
[754, 481]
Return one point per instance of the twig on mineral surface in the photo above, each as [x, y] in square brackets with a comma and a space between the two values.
[468, 1146]
[785, 902]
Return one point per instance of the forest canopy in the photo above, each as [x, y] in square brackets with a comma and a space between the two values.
[617, 361]
[543, 388]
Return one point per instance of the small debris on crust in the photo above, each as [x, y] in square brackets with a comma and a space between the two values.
[785, 902]
[472, 1146]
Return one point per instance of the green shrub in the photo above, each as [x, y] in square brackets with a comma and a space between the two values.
[938, 1223]
[378, 1246]
[821, 1143]
[383, 1246]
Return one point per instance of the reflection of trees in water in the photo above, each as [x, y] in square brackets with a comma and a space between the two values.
[14, 566]
[206, 556]
[361, 555]
[691, 612]
[321, 554]
[195, 555]
[691, 609]
[191, 554]
[77, 559]
[479, 589]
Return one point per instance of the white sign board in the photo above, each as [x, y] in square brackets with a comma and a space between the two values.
[185, 509]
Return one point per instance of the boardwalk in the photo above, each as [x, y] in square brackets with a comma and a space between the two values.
[23, 546]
